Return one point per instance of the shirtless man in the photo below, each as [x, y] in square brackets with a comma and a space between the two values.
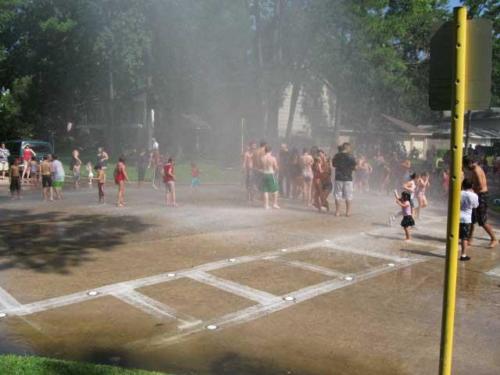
[480, 187]
[248, 169]
[269, 179]
[46, 172]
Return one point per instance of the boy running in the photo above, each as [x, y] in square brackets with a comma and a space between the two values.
[480, 186]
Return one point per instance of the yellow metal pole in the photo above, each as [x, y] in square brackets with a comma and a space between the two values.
[457, 132]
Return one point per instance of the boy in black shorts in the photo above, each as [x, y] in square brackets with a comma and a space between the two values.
[15, 180]
[468, 202]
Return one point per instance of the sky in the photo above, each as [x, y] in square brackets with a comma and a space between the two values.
[453, 3]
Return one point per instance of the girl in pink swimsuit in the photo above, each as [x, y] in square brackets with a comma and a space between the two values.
[120, 178]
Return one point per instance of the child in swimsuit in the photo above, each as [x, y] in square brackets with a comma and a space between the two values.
[195, 176]
[407, 222]
[15, 180]
[422, 185]
[101, 180]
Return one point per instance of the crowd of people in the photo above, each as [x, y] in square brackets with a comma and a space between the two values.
[305, 176]
[309, 177]
[49, 174]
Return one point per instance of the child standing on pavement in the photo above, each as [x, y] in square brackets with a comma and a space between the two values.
[468, 201]
[169, 179]
[422, 185]
[407, 222]
[15, 180]
[195, 176]
[101, 180]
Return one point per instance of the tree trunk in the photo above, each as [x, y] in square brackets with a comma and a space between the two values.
[272, 121]
[293, 105]
[338, 119]
[113, 134]
[254, 9]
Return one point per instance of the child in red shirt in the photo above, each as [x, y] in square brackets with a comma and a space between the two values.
[195, 176]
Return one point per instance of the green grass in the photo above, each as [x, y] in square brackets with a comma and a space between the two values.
[210, 172]
[28, 365]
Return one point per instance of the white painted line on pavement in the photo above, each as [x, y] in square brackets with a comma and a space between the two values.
[110, 289]
[154, 307]
[234, 288]
[7, 301]
[308, 267]
[259, 311]
[51, 303]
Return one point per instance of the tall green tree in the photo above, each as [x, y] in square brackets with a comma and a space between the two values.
[374, 54]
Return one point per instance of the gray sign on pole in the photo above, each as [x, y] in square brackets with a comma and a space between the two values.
[479, 63]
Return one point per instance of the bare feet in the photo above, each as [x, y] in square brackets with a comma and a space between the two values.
[275, 206]
[492, 244]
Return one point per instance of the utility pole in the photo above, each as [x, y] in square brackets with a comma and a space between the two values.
[452, 237]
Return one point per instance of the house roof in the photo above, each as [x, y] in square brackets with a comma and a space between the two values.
[484, 124]
[474, 133]
[405, 126]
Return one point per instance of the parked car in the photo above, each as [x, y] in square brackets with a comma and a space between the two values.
[16, 148]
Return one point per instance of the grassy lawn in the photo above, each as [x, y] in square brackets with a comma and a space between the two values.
[209, 172]
[20, 365]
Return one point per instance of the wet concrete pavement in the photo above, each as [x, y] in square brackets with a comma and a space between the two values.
[361, 300]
